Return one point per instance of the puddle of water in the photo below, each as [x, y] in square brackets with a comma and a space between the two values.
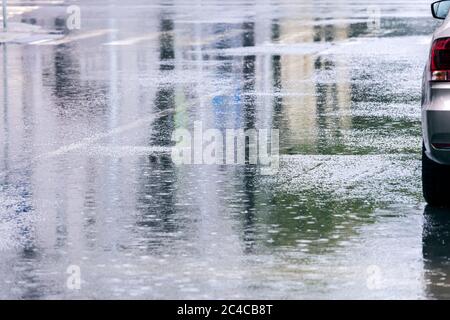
[343, 218]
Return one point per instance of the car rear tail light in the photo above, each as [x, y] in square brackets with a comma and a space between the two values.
[440, 60]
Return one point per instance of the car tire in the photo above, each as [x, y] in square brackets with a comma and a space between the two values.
[435, 181]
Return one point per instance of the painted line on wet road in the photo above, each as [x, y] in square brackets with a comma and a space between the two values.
[134, 40]
[86, 142]
[126, 151]
[72, 38]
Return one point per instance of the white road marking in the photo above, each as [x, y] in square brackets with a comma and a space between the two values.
[40, 41]
[19, 10]
[126, 151]
[133, 40]
[88, 141]
[84, 143]
[72, 38]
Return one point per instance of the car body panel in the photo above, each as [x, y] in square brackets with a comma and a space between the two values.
[436, 109]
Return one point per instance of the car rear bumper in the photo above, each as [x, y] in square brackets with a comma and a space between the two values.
[437, 135]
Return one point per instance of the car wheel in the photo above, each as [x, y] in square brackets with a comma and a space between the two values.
[435, 181]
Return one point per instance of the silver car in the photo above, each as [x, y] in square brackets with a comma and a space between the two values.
[436, 112]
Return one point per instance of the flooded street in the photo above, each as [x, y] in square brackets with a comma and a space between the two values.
[88, 180]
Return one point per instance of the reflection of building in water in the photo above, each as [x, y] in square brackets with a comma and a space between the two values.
[263, 34]
[75, 90]
[285, 86]
[306, 102]
[155, 198]
[297, 72]
[21, 104]
[333, 94]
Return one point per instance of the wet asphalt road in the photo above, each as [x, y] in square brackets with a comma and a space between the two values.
[87, 178]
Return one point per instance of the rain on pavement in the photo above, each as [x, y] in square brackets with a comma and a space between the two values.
[87, 179]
